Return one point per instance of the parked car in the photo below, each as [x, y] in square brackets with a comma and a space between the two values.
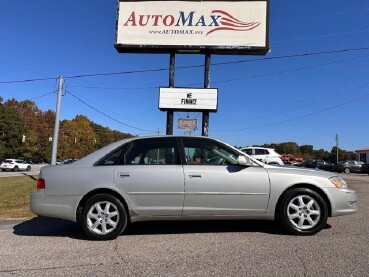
[365, 168]
[348, 166]
[175, 177]
[291, 159]
[34, 161]
[265, 155]
[69, 161]
[304, 163]
[14, 165]
[320, 164]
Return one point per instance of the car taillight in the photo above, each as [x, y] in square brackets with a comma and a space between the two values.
[41, 184]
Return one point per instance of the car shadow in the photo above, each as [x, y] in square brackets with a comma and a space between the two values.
[49, 227]
[216, 226]
[52, 227]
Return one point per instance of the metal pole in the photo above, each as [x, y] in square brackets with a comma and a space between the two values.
[169, 130]
[56, 127]
[205, 114]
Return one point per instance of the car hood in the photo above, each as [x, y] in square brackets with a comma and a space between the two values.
[275, 169]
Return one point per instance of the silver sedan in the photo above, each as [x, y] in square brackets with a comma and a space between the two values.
[186, 178]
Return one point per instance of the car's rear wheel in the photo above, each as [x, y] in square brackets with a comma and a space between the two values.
[347, 170]
[16, 169]
[103, 217]
[303, 211]
[28, 168]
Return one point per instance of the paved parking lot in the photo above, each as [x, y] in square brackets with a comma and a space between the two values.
[51, 247]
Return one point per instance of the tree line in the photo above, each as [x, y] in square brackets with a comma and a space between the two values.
[26, 133]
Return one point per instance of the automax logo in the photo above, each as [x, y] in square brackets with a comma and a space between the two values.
[217, 20]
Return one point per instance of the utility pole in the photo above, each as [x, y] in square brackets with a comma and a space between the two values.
[56, 126]
[337, 146]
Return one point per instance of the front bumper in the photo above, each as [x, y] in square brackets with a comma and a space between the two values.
[343, 201]
[64, 207]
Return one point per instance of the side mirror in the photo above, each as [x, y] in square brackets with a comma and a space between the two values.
[244, 161]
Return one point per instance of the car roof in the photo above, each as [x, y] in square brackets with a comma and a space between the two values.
[257, 147]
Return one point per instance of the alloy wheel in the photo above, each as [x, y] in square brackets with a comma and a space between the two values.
[303, 212]
[103, 217]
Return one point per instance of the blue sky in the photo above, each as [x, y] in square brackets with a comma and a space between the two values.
[307, 100]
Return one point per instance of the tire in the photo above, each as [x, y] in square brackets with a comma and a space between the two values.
[16, 169]
[28, 168]
[347, 170]
[103, 217]
[303, 211]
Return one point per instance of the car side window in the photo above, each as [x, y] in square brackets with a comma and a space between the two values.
[206, 152]
[113, 158]
[154, 152]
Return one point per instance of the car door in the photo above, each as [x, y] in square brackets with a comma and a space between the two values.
[21, 164]
[356, 166]
[216, 185]
[151, 175]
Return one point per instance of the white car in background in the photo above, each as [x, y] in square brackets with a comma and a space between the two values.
[14, 165]
[265, 155]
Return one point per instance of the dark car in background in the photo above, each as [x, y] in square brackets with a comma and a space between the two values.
[365, 168]
[319, 164]
[348, 166]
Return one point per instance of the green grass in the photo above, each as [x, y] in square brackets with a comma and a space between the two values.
[15, 194]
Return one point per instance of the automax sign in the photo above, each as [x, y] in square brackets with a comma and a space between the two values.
[219, 27]
[188, 99]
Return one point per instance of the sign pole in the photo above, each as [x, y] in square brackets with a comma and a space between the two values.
[169, 130]
[205, 114]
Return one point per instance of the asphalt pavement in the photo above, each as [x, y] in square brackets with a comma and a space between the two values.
[53, 247]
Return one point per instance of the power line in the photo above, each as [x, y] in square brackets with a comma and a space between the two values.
[43, 95]
[192, 66]
[322, 15]
[241, 78]
[296, 118]
[322, 36]
[111, 111]
[287, 71]
[108, 116]
[298, 107]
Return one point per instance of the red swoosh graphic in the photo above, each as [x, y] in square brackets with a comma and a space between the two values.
[230, 23]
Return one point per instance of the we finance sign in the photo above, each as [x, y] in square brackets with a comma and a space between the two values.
[219, 27]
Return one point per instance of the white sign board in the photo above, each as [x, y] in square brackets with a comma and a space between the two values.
[189, 99]
[224, 27]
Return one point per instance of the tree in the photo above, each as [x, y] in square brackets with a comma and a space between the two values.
[76, 138]
[11, 132]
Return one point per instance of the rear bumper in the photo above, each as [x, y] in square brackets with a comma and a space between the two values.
[64, 207]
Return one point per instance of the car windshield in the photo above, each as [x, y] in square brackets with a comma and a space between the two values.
[8, 161]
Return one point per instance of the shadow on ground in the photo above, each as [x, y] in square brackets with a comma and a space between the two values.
[52, 227]
[48, 227]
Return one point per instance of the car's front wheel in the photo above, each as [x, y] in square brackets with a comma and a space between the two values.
[303, 211]
[347, 170]
[28, 168]
[16, 169]
[103, 217]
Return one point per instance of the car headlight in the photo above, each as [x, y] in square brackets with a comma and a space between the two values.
[338, 182]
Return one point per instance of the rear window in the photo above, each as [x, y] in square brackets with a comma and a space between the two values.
[8, 161]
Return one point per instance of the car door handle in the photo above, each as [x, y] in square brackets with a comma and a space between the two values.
[194, 175]
[123, 174]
